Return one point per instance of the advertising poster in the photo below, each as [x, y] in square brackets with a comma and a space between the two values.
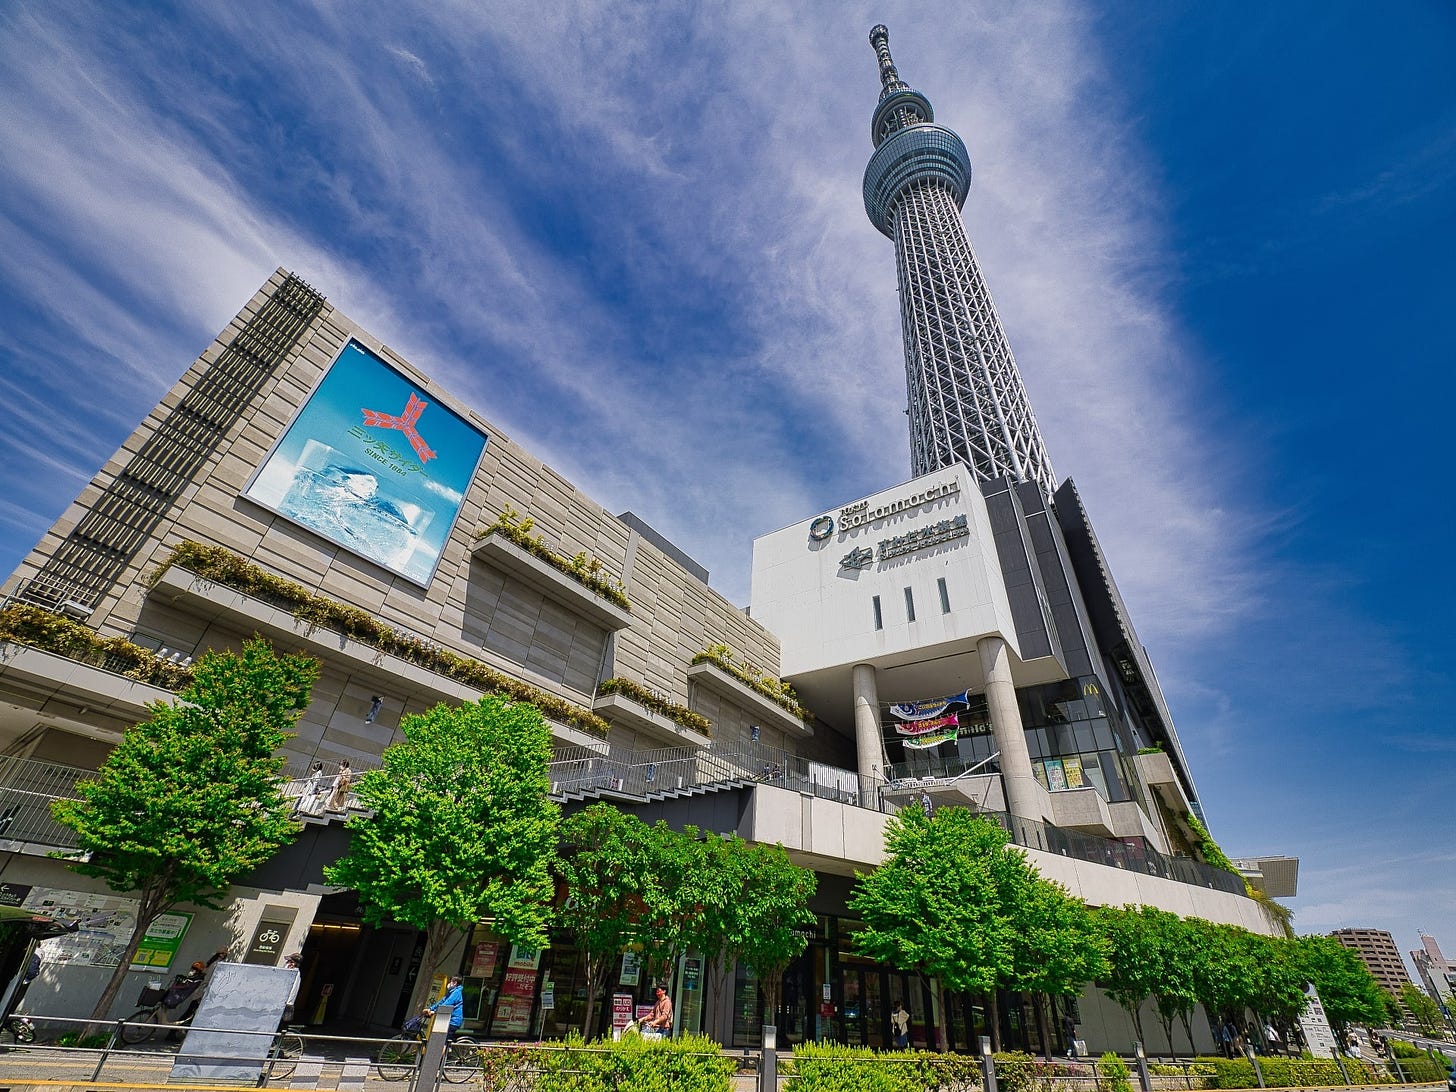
[105, 924]
[1056, 775]
[160, 942]
[631, 968]
[517, 992]
[483, 959]
[373, 465]
[1072, 767]
[621, 1010]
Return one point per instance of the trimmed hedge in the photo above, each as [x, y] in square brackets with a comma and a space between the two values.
[1280, 1072]
[829, 1067]
[689, 1064]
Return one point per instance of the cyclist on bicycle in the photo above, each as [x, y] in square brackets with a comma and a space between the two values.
[454, 996]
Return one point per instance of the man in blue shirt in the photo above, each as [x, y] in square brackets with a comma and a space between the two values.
[454, 996]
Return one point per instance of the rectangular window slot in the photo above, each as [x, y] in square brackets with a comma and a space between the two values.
[909, 605]
[879, 618]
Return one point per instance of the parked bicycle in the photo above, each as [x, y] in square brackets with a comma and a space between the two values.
[147, 1021]
[153, 1015]
[283, 1056]
[399, 1057]
[17, 1029]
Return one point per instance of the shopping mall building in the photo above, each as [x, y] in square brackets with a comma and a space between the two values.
[955, 639]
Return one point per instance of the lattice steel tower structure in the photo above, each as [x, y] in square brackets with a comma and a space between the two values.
[967, 403]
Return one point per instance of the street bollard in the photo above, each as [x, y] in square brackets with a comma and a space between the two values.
[1144, 1079]
[988, 1066]
[427, 1077]
[1254, 1061]
[768, 1070]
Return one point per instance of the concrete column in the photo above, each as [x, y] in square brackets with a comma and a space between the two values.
[867, 722]
[1023, 796]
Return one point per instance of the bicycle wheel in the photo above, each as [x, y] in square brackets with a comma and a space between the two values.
[140, 1026]
[397, 1057]
[287, 1049]
[22, 1030]
[462, 1060]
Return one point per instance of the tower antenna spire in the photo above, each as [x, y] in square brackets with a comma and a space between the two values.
[967, 403]
[890, 81]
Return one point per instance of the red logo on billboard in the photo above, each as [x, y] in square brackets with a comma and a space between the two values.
[405, 422]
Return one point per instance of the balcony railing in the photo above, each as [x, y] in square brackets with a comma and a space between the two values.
[667, 772]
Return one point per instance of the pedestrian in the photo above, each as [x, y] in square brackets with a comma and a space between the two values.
[900, 1022]
[660, 1019]
[311, 799]
[1271, 1038]
[1069, 1034]
[1226, 1040]
[454, 996]
[292, 961]
[339, 800]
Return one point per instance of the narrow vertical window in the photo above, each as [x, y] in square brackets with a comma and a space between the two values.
[944, 596]
[909, 605]
[879, 618]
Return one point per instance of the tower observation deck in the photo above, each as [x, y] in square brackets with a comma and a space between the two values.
[967, 403]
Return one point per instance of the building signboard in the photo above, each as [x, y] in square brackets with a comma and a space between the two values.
[372, 465]
[160, 942]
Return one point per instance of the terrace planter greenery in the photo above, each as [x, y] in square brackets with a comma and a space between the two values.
[229, 570]
[772, 688]
[586, 570]
[37, 628]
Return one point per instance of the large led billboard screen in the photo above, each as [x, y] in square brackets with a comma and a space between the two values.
[372, 464]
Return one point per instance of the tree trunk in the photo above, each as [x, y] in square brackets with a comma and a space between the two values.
[993, 1011]
[152, 905]
[1041, 1004]
[596, 979]
[438, 938]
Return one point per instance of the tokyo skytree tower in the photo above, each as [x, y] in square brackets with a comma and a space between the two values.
[967, 402]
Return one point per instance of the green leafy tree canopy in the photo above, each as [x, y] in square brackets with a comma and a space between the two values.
[190, 798]
[461, 828]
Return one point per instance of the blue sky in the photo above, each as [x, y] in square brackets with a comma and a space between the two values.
[631, 235]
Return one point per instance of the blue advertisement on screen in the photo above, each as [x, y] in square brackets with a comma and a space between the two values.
[372, 464]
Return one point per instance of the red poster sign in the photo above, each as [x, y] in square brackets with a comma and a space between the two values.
[621, 1010]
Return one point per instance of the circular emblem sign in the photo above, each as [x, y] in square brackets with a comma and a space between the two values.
[821, 528]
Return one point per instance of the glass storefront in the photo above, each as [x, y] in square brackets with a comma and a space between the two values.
[833, 993]
[1076, 740]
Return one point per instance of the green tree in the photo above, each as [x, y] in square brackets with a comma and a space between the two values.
[935, 906]
[461, 828]
[1347, 990]
[673, 893]
[1132, 942]
[772, 913]
[1056, 947]
[603, 858]
[190, 798]
[1425, 1012]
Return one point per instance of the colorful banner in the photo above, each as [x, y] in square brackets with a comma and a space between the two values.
[921, 727]
[931, 739]
[928, 707]
[372, 464]
[621, 1010]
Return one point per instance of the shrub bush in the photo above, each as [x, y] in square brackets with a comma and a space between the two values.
[829, 1067]
[692, 1063]
[1112, 1074]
